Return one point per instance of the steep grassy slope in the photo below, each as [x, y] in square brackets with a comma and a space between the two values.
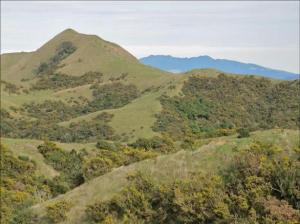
[14, 66]
[92, 54]
[208, 158]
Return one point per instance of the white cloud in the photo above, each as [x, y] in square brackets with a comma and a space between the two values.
[265, 33]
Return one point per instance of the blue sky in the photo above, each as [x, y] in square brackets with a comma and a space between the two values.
[265, 33]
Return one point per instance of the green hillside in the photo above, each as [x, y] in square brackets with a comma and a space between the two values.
[208, 158]
[90, 135]
[73, 68]
[92, 54]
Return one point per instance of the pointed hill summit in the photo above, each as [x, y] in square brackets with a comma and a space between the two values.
[91, 53]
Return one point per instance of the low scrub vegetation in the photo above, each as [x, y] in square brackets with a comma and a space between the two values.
[61, 81]
[111, 155]
[68, 164]
[113, 95]
[20, 188]
[160, 144]
[218, 106]
[45, 126]
[50, 112]
[11, 88]
[56, 211]
[260, 186]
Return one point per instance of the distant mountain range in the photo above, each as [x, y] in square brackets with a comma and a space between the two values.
[178, 65]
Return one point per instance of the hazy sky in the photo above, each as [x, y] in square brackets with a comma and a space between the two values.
[265, 33]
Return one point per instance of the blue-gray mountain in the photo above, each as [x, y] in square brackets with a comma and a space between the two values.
[177, 65]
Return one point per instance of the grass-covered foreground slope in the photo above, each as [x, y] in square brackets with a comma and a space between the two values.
[35, 171]
[210, 158]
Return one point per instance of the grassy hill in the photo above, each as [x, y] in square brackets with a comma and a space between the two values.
[106, 116]
[92, 54]
[209, 158]
[70, 56]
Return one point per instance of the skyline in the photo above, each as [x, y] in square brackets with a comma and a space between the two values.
[264, 33]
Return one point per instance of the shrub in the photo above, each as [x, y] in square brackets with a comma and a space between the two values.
[20, 188]
[25, 216]
[162, 144]
[45, 127]
[210, 105]
[113, 95]
[243, 133]
[104, 160]
[69, 164]
[56, 212]
[24, 158]
[96, 167]
[259, 186]
[182, 202]
[62, 81]
[106, 145]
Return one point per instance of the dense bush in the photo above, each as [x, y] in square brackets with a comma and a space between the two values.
[210, 104]
[75, 132]
[6, 124]
[45, 126]
[97, 166]
[161, 144]
[68, 163]
[76, 167]
[104, 161]
[266, 167]
[61, 81]
[56, 212]
[260, 186]
[105, 97]
[112, 95]
[196, 200]
[89, 131]
[25, 216]
[102, 144]
[243, 133]
[32, 129]
[51, 111]
[63, 51]
[20, 187]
